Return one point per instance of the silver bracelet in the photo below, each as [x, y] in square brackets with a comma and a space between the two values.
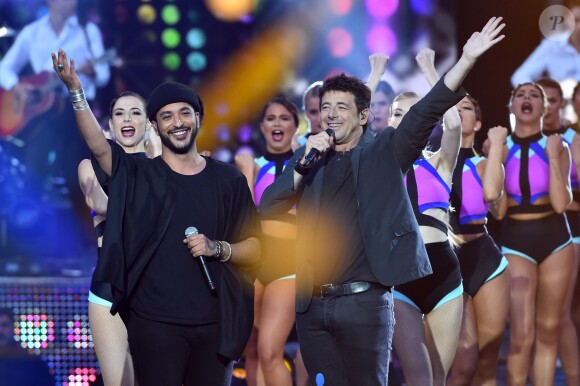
[77, 95]
[220, 250]
[229, 256]
[82, 107]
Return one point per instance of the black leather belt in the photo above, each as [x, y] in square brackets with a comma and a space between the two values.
[335, 290]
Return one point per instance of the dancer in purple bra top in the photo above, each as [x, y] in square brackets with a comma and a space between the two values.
[428, 310]
[477, 181]
[568, 344]
[275, 283]
[536, 239]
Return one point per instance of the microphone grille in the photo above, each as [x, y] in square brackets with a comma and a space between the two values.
[190, 231]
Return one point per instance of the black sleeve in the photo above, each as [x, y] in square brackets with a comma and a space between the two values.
[413, 132]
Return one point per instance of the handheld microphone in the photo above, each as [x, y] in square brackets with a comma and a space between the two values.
[193, 231]
[313, 153]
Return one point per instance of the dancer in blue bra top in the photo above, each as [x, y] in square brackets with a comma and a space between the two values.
[477, 181]
[553, 124]
[428, 310]
[128, 125]
[536, 239]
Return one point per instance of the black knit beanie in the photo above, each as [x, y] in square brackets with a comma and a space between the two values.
[172, 92]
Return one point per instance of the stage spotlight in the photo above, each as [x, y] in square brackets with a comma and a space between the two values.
[171, 61]
[146, 14]
[339, 41]
[423, 7]
[381, 39]
[245, 133]
[222, 154]
[196, 61]
[230, 10]
[170, 14]
[196, 38]
[170, 37]
[340, 7]
[381, 9]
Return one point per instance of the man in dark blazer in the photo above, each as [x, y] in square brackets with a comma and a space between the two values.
[357, 234]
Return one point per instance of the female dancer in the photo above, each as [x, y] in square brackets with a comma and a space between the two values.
[478, 181]
[380, 102]
[128, 125]
[553, 123]
[275, 286]
[429, 310]
[575, 150]
[536, 240]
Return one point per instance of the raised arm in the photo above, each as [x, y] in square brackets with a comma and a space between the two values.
[493, 174]
[86, 121]
[414, 130]
[451, 140]
[378, 67]
[477, 44]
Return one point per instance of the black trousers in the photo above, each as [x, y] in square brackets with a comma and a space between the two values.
[346, 341]
[167, 354]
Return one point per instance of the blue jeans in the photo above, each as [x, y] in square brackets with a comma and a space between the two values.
[347, 340]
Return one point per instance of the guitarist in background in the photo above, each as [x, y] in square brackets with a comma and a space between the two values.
[32, 109]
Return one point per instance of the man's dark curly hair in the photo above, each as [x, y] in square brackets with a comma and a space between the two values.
[349, 84]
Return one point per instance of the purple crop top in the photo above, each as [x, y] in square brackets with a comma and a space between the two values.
[271, 166]
[467, 194]
[432, 191]
[534, 160]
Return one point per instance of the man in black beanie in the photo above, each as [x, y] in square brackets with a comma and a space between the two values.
[180, 330]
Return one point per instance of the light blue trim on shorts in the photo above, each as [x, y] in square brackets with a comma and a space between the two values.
[502, 266]
[563, 245]
[293, 276]
[450, 296]
[509, 251]
[576, 240]
[97, 300]
[399, 296]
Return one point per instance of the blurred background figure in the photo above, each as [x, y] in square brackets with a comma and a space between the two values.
[34, 114]
[557, 58]
[380, 104]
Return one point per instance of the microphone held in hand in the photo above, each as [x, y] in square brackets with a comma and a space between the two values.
[313, 153]
[193, 231]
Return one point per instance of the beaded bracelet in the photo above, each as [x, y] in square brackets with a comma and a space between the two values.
[220, 250]
[77, 95]
[82, 107]
[229, 256]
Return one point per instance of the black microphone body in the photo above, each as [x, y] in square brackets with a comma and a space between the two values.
[192, 231]
[313, 153]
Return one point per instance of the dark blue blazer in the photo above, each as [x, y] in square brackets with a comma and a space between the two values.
[393, 245]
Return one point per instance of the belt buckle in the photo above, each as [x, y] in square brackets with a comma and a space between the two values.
[327, 290]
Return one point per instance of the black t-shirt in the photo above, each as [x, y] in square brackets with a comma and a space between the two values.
[173, 288]
[340, 253]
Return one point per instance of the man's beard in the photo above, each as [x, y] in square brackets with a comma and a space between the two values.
[166, 140]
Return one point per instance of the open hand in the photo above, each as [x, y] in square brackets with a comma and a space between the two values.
[480, 42]
[66, 72]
